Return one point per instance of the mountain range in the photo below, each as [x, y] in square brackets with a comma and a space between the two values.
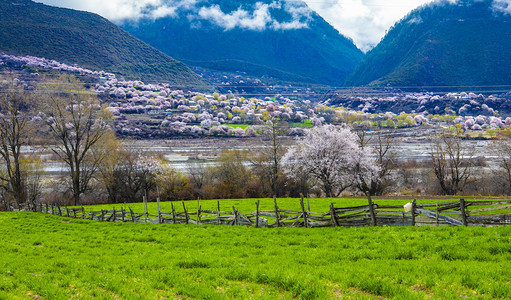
[86, 39]
[446, 43]
[442, 44]
[280, 39]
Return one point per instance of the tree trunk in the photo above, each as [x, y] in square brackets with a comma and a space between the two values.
[76, 187]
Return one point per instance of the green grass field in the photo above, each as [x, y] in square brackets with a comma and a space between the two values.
[242, 126]
[52, 257]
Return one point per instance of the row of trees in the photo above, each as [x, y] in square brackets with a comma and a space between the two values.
[328, 160]
[70, 121]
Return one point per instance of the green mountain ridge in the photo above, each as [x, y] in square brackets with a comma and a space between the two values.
[86, 39]
[316, 53]
[442, 44]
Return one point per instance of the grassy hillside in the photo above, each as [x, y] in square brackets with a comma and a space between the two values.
[315, 54]
[75, 37]
[462, 44]
[51, 257]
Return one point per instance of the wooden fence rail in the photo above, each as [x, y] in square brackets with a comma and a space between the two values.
[457, 213]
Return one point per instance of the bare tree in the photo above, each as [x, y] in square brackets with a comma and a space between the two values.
[77, 123]
[114, 155]
[14, 133]
[384, 158]
[267, 162]
[128, 176]
[502, 149]
[199, 177]
[231, 176]
[173, 185]
[451, 160]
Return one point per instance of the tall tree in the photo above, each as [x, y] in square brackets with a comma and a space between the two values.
[77, 124]
[267, 161]
[451, 160]
[14, 133]
[128, 175]
[384, 157]
[501, 148]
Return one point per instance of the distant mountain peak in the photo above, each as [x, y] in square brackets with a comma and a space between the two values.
[444, 43]
[281, 39]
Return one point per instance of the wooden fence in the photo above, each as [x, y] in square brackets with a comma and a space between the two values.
[458, 213]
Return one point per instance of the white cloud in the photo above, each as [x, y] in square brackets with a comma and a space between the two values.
[365, 21]
[257, 20]
[503, 6]
[260, 18]
[163, 11]
[115, 10]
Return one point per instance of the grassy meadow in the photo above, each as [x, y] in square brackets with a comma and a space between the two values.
[50, 257]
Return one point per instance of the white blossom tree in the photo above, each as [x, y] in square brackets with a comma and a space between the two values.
[333, 158]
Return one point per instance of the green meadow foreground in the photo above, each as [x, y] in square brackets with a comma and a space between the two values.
[60, 258]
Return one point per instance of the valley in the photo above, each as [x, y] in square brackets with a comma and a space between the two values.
[221, 149]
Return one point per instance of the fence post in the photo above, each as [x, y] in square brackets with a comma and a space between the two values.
[304, 213]
[158, 204]
[132, 215]
[235, 216]
[198, 211]
[144, 198]
[276, 211]
[114, 214]
[186, 213]
[257, 214]
[333, 217]
[83, 213]
[218, 211]
[463, 213]
[413, 211]
[437, 212]
[371, 210]
[173, 213]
